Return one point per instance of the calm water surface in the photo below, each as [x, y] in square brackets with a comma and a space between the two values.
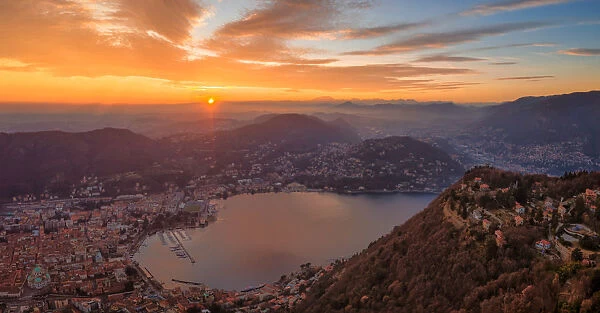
[257, 238]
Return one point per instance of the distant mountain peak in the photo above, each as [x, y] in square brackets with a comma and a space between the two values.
[292, 130]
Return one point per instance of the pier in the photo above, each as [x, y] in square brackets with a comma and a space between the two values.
[184, 249]
[187, 282]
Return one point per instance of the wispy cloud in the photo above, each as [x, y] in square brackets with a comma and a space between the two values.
[174, 20]
[448, 58]
[509, 5]
[503, 63]
[293, 19]
[264, 34]
[444, 39]
[373, 32]
[516, 45]
[530, 78]
[581, 52]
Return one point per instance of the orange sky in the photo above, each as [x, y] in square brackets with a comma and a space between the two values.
[129, 51]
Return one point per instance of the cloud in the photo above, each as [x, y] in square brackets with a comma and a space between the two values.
[93, 40]
[448, 58]
[172, 19]
[292, 19]
[503, 63]
[373, 32]
[530, 78]
[516, 45]
[581, 52]
[509, 5]
[261, 49]
[88, 38]
[262, 34]
[444, 39]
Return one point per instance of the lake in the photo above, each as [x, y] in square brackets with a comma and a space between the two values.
[258, 238]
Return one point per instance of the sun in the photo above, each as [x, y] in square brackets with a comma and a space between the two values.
[211, 101]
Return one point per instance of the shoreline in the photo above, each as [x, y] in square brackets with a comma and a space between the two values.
[8, 205]
[183, 283]
[348, 193]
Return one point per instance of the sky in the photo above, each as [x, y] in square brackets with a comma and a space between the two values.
[188, 51]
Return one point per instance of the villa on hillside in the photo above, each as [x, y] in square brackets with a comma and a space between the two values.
[519, 208]
[518, 221]
[543, 245]
[500, 241]
[486, 224]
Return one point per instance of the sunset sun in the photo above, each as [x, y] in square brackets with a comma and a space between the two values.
[211, 101]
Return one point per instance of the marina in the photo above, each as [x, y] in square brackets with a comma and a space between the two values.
[174, 240]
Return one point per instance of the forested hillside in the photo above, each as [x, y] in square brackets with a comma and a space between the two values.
[445, 260]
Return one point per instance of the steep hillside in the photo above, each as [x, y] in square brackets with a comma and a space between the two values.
[392, 163]
[542, 120]
[399, 159]
[398, 148]
[444, 260]
[291, 132]
[29, 161]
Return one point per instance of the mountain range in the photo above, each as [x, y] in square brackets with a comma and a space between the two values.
[551, 119]
[30, 162]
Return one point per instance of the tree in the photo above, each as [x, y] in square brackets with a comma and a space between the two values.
[576, 255]
[491, 249]
[589, 243]
[129, 286]
[579, 209]
[595, 282]
[131, 271]
[464, 213]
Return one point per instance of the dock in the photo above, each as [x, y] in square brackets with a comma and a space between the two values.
[187, 282]
[184, 249]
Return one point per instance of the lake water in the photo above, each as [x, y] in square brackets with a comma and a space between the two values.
[258, 238]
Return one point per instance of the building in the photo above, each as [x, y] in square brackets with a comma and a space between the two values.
[519, 208]
[518, 220]
[562, 210]
[543, 245]
[500, 241]
[486, 224]
[38, 278]
[295, 187]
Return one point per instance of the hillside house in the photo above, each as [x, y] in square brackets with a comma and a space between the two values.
[500, 240]
[562, 210]
[486, 224]
[519, 221]
[519, 208]
[543, 245]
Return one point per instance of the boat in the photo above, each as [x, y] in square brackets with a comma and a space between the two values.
[170, 237]
[161, 236]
